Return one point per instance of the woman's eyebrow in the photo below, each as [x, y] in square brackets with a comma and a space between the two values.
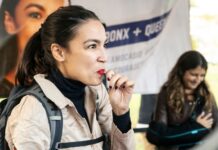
[34, 5]
[92, 40]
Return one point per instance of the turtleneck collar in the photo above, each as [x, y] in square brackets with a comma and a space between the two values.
[72, 89]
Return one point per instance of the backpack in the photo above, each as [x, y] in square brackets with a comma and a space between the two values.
[54, 115]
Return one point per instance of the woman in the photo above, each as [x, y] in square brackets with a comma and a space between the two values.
[19, 20]
[185, 105]
[66, 57]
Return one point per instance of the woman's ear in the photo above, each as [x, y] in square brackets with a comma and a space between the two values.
[57, 52]
[10, 25]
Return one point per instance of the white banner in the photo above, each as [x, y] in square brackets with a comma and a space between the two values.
[145, 37]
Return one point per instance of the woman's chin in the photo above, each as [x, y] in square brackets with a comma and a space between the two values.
[192, 87]
[95, 83]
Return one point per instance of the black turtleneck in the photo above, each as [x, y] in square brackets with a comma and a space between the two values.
[75, 91]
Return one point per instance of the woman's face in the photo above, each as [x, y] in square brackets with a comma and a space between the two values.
[86, 57]
[29, 15]
[193, 77]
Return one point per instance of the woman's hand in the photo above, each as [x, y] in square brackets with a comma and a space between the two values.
[205, 120]
[120, 92]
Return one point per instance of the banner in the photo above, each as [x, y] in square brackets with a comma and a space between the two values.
[145, 37]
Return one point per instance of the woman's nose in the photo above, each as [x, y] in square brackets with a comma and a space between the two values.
[102, 57]
[200, 78]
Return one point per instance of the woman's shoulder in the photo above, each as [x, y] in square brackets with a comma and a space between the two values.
[26, 105]
[29, 117]
[28, 110]
[51, 91]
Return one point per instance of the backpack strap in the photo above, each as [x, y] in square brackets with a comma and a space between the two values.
[80, 143]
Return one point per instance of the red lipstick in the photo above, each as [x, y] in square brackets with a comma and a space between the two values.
[101, 72]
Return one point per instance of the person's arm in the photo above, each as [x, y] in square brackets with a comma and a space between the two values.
[188, 132]
[122, 122]
[211, 140]
[122, 135]
[160, 113]
[27, 127]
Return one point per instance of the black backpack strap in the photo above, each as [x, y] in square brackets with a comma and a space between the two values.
[80, 143]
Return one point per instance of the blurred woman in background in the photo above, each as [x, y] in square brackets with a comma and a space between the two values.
[186, 109]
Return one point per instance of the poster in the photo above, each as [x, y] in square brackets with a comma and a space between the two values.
[145, 37]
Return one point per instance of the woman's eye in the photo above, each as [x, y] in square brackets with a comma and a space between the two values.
[192, 74]
[93, 46]
[105, 45]
[35, 15]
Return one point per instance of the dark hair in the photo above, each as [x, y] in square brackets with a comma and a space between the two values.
[188, 60]
[174, 86]
[60, 27]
